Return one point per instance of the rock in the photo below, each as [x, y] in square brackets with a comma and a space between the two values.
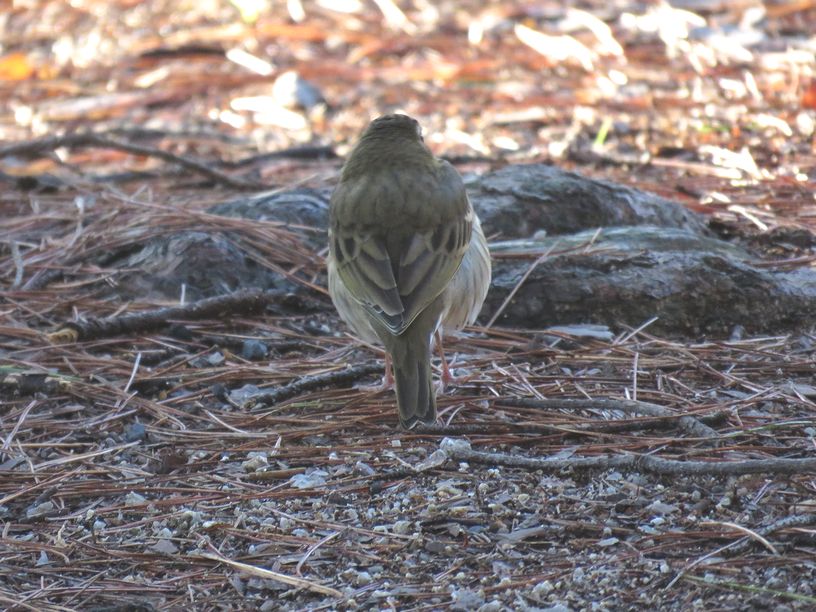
[290, 90]
[206, 264]
[693, 284]
[653, 258]
[303, 211]
[520, 200]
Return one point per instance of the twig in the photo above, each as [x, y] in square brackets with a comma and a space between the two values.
[31, 382]
[691, 565]
[461, 450]
[515, 289]
[795, 520]
[308, 383]
[243, 302]
[136, 363]
[17, 425]
[687, 423]
[19, 266]
[772, 594]
[49, 143]
[753, 535]
[594, 428]
[312, 550]
[302, 152]
[83, 456]
[270, 575]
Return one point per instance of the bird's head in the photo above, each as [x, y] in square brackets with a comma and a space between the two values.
[390, 141]
[393, 126]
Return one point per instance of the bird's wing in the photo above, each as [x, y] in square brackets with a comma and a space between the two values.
[364, 266]
[430, 261]
[395, 279]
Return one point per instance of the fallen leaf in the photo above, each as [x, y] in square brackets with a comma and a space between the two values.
[15, 67]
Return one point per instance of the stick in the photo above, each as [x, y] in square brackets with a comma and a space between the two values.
[459, 450]
[240, 303]
[687, 423]
[49, 143]
[270, 575]
[307, 383]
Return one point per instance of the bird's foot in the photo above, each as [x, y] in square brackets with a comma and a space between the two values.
[386, 384]
[448, 378]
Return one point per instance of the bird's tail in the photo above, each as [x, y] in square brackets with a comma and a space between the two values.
[416, 399]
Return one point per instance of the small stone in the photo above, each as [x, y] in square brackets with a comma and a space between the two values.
[40, 509]
[542, 589]
[724, 502]
[286, 524]
[238, 584]
[290, 90]
[215, 359]
[437, 459]
[134, 499]
[660, 508]
[219, 391]
[254, 350]
[243, 394]
[364, 469]
[165, 547]
[134, 432]
[466, 599]
[559, 607]
[451, 445]
[805, 123]
[608, 542]
[256, 461]
[309, 480]
[435, 546]
[401, 527]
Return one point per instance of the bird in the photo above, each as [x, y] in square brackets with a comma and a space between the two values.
[407, 256]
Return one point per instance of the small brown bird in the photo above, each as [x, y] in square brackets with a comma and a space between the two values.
[406, 254]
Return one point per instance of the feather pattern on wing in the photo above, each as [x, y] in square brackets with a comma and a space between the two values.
[395, 271]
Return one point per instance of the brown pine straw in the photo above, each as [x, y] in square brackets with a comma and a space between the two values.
[133, 450]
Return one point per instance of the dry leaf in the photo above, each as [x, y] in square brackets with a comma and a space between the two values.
[15, 67]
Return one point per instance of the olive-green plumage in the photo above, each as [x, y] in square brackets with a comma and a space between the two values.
[406, 253]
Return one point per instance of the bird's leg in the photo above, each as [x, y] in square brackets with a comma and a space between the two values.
[388, 377]
[446, 377]
[387, 381]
